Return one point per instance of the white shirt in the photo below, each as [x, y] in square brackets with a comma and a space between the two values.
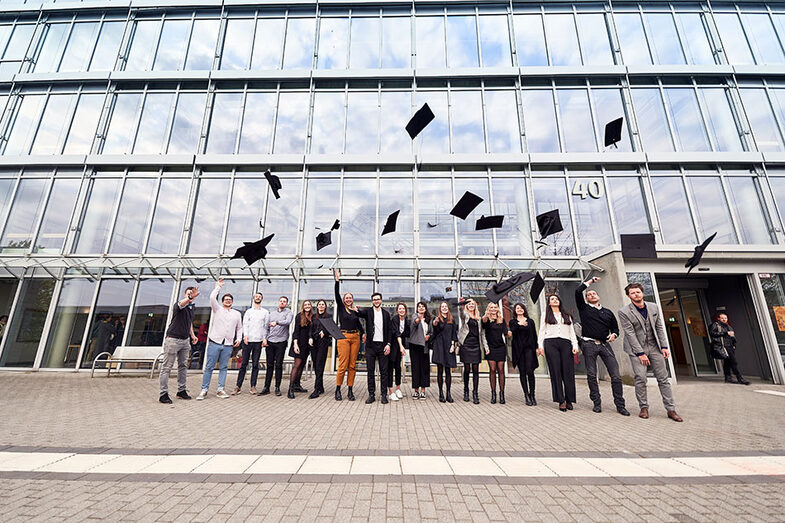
[226, 325]
[378, 325]
[255, 324]
[557, 330]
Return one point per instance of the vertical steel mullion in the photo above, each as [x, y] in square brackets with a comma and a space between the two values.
[571, 206]
[137, 121]
[557, 113]
[240, 119]
[115, 213]
[697, 226]
[157, 44]
[88, 324]
[48, 321]
[687, 59]
[609, 208]
[484, 118]
[646, 31]
[675, 142]
[12, 313]
[734, 218]
[703, 115]
[11, 199]
[188, 40]
[593, 116]
[227, 211]
[76, 213]
[131, 309]
[40, 218]
[151, 212]
[75, 105]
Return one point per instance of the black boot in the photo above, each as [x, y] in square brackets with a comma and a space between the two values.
[501, 397]
[534, 400]
[314, 395]
[475, 397]
[466, 394]
[338, 394]
[493, 396]
[265, 390]
[290, 393]
[449, 396]
[441, 396]
[278, 391]
[350, 395]
[528, 398]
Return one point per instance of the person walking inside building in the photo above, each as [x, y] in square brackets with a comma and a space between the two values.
[471, 346]
[255, 322]
[277, 339]
[524, 350]
[177, 345]
[349, 347]
[445, 337]
[557, 341]
[300, 347]
[226, 332]
[320, 342]
[420, 332]
[723, 346]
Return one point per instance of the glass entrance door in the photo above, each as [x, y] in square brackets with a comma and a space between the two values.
[687, 325]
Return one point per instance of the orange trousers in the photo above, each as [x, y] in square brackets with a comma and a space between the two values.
[348, 350]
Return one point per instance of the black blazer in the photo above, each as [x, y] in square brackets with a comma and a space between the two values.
[367, 315]
[396, 331]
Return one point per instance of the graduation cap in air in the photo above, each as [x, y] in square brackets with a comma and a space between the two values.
[323, 239]
[549, 223]
[613, 131]
[419, 121]
[467, 203]
[489, 222]
[331, 328]
[391, 223]
[498, 290]
[638, 246]
[275, 183]
[336, 225]
[253, 251]
[695, 259]
[537, 286]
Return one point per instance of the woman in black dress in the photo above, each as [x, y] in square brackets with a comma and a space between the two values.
[420, 332]
[445, 335]
[398, 350]
[300, 348]
[472, 344]
[495, 329]
[319, 342]
[524, 350]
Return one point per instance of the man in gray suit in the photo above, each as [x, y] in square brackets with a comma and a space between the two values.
[647, 345]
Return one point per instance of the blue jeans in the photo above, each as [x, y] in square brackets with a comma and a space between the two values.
[216, 353]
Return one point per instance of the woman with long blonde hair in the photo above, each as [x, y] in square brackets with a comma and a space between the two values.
[495, 331]
[348, 348]
[472, 345]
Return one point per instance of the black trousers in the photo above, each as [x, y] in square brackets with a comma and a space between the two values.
[319, 358]
[591, 351]
[374, 351]
[730, 364]
[561, 367]
[275, 352]
[394, 366]
[421, 367]
[527, 382]
[251, 351]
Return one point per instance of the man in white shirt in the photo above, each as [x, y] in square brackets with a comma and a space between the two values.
[226, 331]
[378, 337]
[255, 322]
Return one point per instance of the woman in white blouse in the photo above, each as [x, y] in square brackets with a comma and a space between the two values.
[558, 342]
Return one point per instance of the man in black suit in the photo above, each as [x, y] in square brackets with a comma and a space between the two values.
[377, 338]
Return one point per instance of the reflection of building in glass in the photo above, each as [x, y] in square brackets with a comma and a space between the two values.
[133, 142]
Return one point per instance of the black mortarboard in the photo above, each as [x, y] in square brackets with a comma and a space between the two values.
[613, 131]
[432, 225]
[392, 221]
[695, 259]
[253, 251]
[335, 225]
[323, 239]
[419, 121]
[332, 329]
[467, 203]
[275, 183]
[537, 286]
[498, 290]
[549, 223]
[638, 246]
[489, 222]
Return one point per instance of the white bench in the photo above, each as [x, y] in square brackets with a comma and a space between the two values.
[129, 354]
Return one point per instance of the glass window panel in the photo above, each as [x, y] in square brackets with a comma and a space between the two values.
[322, 205]
[54, 124]
[133, 216]
[268, 43]
[745, 197]
[430, 41]
[778, 190]
[6, 191]
[285, 225]
[19, 42]
[57, 216]
[462, 42]
[436, 137]
[466, 122]
[5, 34]
[549, 194]
[237, 45]
[225, 123]
[207, 227]
[501, 118]
[333, 43]
[154, 125]
[562, 39]
[608, 106]
[7, 286]
[245, 212]
[27, 324]
[148, 319]
[187, 125]
[24, 123]
[143, 46]
[540, 121]
[510, 198]
[122, 127]
[763, 39]
[734, 42]
[495, 41]
[257, 133]
[652, 123]
[105, 54]
[167, 228]
[291, 125]
[98, 216]
[69, 324]
[22, 220]
[576, 120]
[52, 49]
[298, 53]
[435, 223]
[107, 325]
[364, 52]
[672, 209]
[777, 97]
[530, 40]
[592, 219]
[632, 38]
[396, 42]
[396, 194]
[201, 50]
[434, 292]
[629, 207]
[761, 118]
[80, 47]
[471, 242]
[664, 39]
[720, 119]
[687, 120]
[712, 213]
[696, 41]
[595, 43]
[358, 219]
[328, 123]
[362, 123]
[82, 131]
[396, 110]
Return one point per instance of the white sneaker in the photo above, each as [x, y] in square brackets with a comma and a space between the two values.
[399, 394]
[202, 395]
[393, 397]
[221, 394]
[422, 395]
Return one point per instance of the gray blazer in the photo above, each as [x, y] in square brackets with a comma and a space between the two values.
[415, 332]
[464, 330]
[634, 328]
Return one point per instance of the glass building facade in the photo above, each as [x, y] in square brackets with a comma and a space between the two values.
[133, 138]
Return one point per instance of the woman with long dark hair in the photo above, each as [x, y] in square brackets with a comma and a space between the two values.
[524, 349]
[445, 336]
[495, 330]
[557, 341]
[420, 332]
[398, 350]
[300, 347]
[472, 345]
[319, 342]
